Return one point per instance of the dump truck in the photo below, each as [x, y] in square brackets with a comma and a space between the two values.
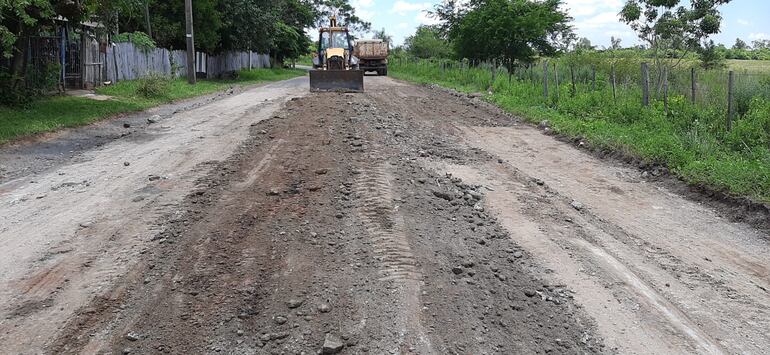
[335, 68]
[372, 55]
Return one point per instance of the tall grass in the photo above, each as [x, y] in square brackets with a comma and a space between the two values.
[692, 139]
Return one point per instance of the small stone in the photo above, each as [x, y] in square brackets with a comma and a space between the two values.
[153, 178]
[126, 125]
[132, 336]
[322, 171]
[153, 119]
[125, 163]
[544, 124]
[457, 270]
[500, 161]
[518, 254]
[294, 303]
[468, 263]
[577, 205]
[280, 320]
[443, 194]
[530, 293]
[324, 308]
[273, 192]
[332, 344]
[239, 332]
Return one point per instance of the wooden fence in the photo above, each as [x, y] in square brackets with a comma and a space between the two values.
[125, 61]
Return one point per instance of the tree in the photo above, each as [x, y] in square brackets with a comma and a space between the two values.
[761, 44]
[504, 29]
[383, 36]
[345, 13]
[669, 28]
[711, 57]
[615, 43]
[427, 42]
[740, 44]
[584, 44]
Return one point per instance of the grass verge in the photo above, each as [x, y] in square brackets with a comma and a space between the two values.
[50, 114]
[691, 140]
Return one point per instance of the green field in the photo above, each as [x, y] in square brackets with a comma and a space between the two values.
[692, 140]
[751, 66]
[50, 114]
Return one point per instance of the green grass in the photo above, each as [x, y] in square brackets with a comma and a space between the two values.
[50, 114]
[751, 66]
[691, 140]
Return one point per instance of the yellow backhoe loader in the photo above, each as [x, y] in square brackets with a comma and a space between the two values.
[334, 66]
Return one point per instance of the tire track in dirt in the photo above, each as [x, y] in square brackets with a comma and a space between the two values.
[385, 225]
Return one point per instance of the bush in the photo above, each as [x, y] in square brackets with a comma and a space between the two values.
[153, 85]
[13, 91]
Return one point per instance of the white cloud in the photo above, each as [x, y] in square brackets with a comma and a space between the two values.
[424, 19]
[758, 36]
[402, 7]
[743, 22]
[581, 8]
[603, 19]
[362, 9]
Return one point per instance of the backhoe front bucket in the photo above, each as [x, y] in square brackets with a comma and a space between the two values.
[337, 80]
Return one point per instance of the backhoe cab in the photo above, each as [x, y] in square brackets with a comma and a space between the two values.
[334, 66]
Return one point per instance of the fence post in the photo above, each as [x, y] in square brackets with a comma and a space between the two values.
[572, 76]
[665, 90]
[645, 84]
[614, 92]
[545, 79]
[693, 85]
[593, 78]
[730, 108]
[556, 75]
[510, 70]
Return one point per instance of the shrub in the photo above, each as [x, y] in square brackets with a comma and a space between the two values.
[13, 92]
[153, 85]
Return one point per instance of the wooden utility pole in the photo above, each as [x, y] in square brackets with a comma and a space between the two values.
[188, 14]
[147, 17]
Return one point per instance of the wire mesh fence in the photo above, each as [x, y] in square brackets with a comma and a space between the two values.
[620, 81]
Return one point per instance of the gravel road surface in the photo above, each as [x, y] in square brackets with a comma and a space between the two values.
[403, 220]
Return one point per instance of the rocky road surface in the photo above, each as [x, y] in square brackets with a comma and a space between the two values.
[404, 220]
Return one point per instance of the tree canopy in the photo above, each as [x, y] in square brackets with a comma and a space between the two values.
[428, 42]
[668, 25]
[504, 29]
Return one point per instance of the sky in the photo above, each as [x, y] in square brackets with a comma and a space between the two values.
[595, 19]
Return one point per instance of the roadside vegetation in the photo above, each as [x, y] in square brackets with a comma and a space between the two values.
[597, 95]
[52, 113]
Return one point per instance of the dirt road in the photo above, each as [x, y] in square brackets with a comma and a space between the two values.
[405, 220]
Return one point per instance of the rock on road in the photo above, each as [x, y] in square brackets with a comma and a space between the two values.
[404, 220]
